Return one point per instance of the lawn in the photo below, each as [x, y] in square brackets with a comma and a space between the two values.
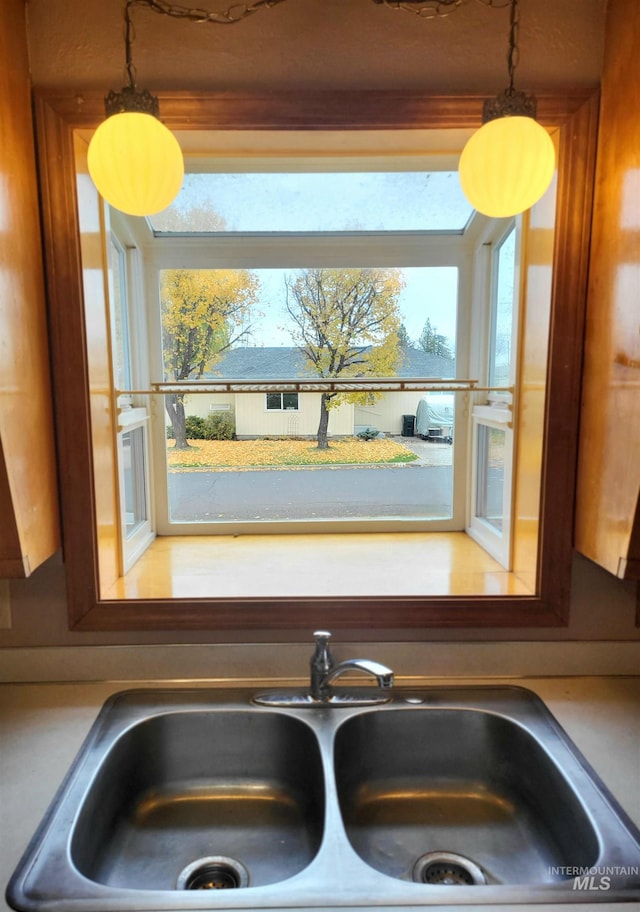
[214, 454]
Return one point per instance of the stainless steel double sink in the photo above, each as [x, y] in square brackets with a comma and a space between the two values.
[202, 799]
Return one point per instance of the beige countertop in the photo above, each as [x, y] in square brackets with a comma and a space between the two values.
[43, 725]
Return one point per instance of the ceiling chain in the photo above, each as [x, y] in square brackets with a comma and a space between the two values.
[237, 12]
[434, 9]
[513, 55]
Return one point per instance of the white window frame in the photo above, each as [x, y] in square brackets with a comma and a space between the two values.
[135, 543]
[286, 251]
[495, 409]
[132, 410]
[497, 542]
[121, 296]
[282, 408]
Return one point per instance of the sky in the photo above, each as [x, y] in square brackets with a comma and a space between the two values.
[429, 292]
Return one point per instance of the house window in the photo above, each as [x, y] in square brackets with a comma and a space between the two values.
[281, 402]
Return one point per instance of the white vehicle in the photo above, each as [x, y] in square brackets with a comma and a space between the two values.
[435, 417]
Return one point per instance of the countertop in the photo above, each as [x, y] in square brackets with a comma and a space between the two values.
[43, 725]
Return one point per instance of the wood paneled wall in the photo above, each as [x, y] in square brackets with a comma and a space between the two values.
[608, 509]
[29, 525]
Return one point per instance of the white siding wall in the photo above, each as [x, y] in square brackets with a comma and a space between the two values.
[200, 405]
[253, 420]
[386, 414]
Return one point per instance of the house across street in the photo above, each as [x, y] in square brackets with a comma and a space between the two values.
[293, 414]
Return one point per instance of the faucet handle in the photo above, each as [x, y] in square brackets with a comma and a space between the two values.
[322, 638]
[322, 660]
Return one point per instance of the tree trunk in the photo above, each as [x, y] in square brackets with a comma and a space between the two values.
[323, 443]
[174, 405]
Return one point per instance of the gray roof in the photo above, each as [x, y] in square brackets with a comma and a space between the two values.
[281, 362]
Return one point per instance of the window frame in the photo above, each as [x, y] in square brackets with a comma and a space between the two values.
[516, 231]
[496, 542]
[573, 116]
[281, 407]
[263, 250]
[119, 310]
[129, 358]
[135, 542]
[496, 410]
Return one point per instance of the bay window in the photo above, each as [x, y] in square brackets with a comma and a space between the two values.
[517, 352]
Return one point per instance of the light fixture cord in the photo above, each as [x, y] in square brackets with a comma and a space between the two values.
[129, 34]
[513, 57]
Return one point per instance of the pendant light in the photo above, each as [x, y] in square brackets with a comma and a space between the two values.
[508, 164]
[134, 160]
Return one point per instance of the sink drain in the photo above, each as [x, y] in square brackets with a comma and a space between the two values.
[447, 868]
[215, 873]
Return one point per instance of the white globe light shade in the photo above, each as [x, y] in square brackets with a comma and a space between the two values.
[136, 163]
[506, 166]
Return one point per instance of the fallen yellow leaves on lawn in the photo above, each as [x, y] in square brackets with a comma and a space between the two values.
[232, 454]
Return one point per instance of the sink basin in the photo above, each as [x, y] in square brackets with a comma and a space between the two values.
[467, 785]
[442, 796]
[236, 794]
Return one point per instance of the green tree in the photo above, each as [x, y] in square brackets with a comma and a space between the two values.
[346, 322]
[204, 312]
[403, 338]
[433, 342]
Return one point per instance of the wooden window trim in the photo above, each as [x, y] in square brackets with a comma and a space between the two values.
[59, 114]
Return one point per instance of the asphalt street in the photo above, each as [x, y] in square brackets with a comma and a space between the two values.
[407, 491]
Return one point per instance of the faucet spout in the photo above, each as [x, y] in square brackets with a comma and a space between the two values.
[382, 674]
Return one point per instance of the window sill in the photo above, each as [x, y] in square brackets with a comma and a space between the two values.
[316, 566]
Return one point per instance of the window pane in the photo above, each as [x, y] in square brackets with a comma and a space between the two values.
[119, 317]
[503, 305]
[133, 470]
[274, 202]
[490, 475]
[305, 324]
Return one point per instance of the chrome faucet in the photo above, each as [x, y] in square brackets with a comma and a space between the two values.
[324, 670]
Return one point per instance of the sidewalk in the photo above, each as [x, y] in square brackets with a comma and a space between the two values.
[431, 454]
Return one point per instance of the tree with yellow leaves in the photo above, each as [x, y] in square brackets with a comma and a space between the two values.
[204, 312]
[346, 322]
